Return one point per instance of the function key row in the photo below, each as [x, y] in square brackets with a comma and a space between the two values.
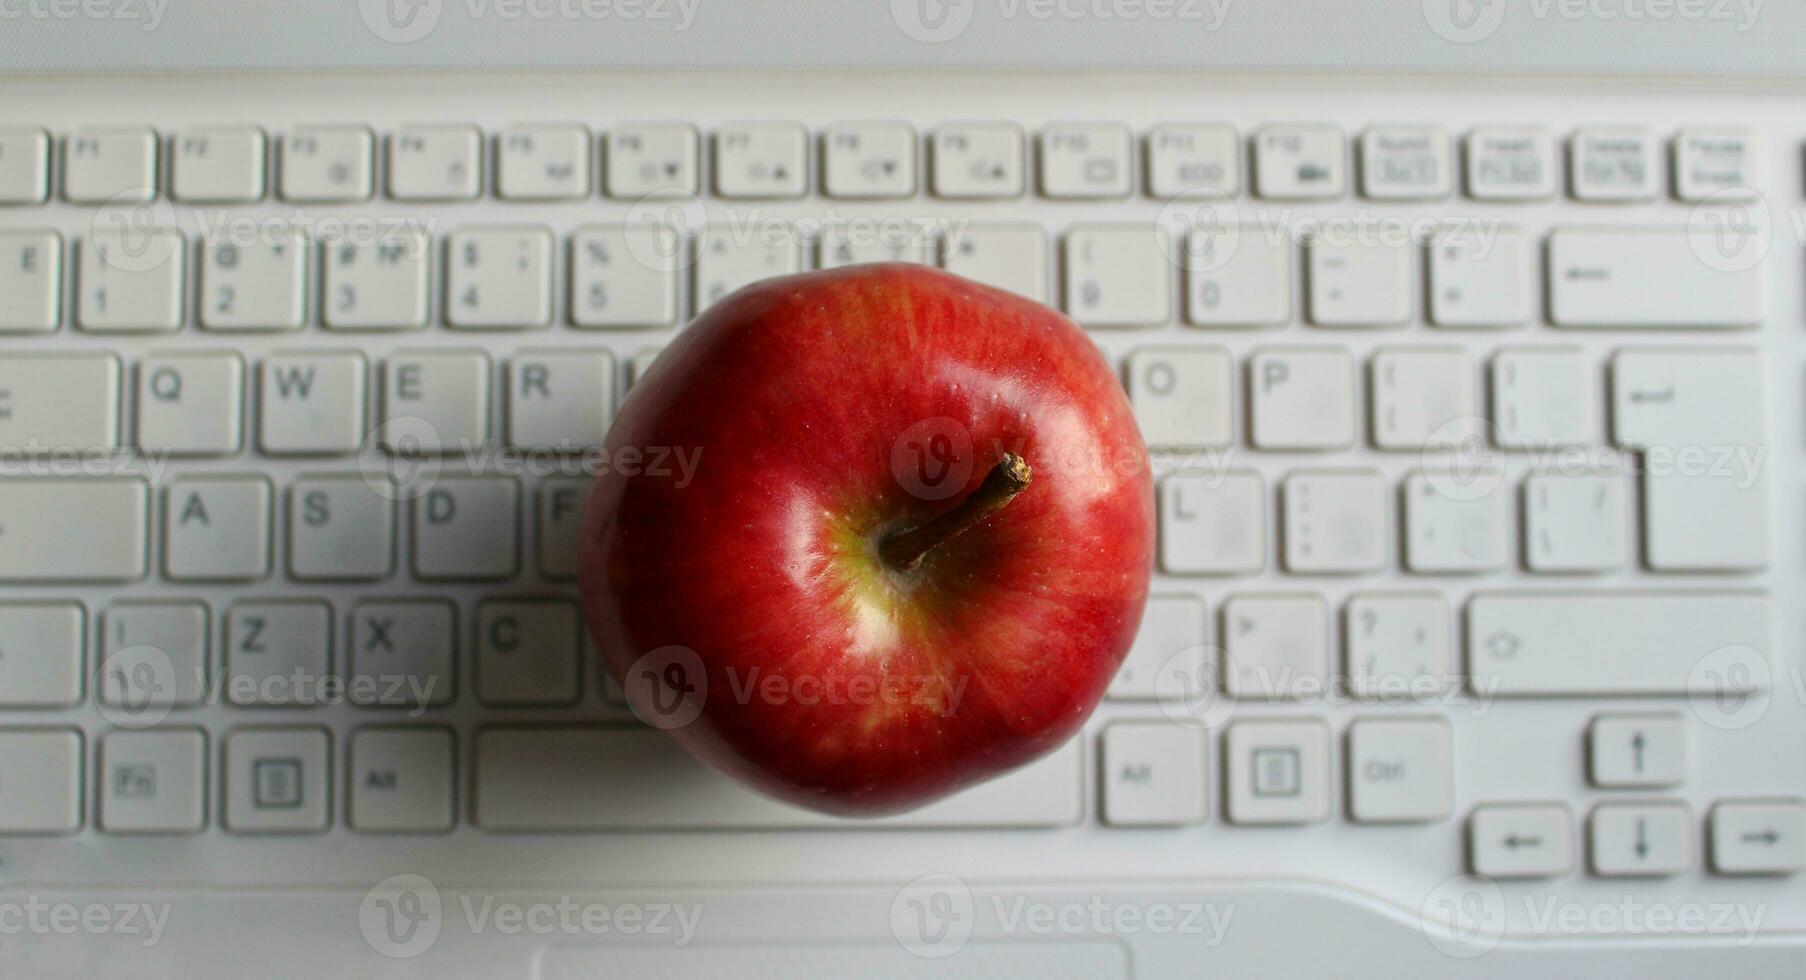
[868, 161]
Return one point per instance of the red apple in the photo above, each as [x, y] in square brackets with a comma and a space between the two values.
[913, 550]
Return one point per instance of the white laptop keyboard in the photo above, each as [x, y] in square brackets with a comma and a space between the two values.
[1476, 409]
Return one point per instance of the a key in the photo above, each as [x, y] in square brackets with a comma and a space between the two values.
[259, 284]
[1153, 775]
[1359, 283]
[1640, 840]
[726, 261]
[1277, 646]
[543, 162]
[311, 404]
[153, 782]
[1405, 163]
[403, 652]
[1117, 276]
[375, 284]
[499, 278]
[278, 653]
[625, 277]
[1335, 522]
[1615, 165]
[560, 400]
[1758, 837]
[1400, 770]
[436, 163]
[217, 529]
[40, 781]
[403, 780]
[153, 655]
[113, 165]
[653, 159]
[340, 528]
[41, 655]
[1012, 257]
[1423, 398]
[328, 164]
[757, 161]
[869, 160]
[436, 402]
[1637, 751]
[1455, 523]
[58, 403]
[1574, 522]
[277, 780]
[1521, 840]
[856, 242]
[468, 528]
[1715, 163]
[191, 404]
[562, 504]
[1184, 398]
[67, 530]
[1510, 164]
[1543, 398]
[1087, 161]
[1300, 163]
[1168, 652]
[1397, 645]
[1481, 280]
[1278, 772]
[1302, 398]
[978, 160]
[218, 165]
[1237, 276]
[1190, 158]
[130, 281]
[1213, 524]
[31, 279]
[527, 653]
[1674, 278]
[24, 165]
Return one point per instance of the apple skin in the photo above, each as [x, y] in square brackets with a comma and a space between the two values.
[810, 398]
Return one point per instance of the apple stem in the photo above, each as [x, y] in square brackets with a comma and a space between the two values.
[906, 549]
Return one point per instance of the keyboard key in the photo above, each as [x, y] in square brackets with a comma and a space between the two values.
[154, 655]
[1213, 524]
[1405, 163]
[1397, 645]
[1758, 837]
[1510, 164]
[1651, 278]
[1154, 775]
[217, 529]
[1455, 523]
[1637, 643]
[1574, 522]
[376, 285]
[1276, 646]
[40, 781]
[1184, 398]
[726, 262]
[278, 653]
[403, 652]
[978, 160]
[1011, 257]
[855, 242]
[110, 165]
[1523, 840]
[1480, 281]
[41, 654]
[1187, 158]
[1302, 398]
[560, 400]
[468, 529]
[762, 161]
[1087, 161]
[653, 160]
[1640, 840]
[1300, 163]
[435, 403]
[527, 653]
[403, 780]
[562, 504]
[90, 530]
[1358, 283]
[1278, 772]
[625, 277]
[1400, 770]
[130, 281]
[543, 162]
[58, 403]
[1637, 751]
[328, 164]
[1543, 397]
[24, 166]
[436, 163]
[153, 782]
[637, 778]
[869, 160]
[1117, 276]
[1423, 398]
[1615, 165]
[1719, 164]
[499, 278]
[31, 279]
[218, 165]
[1168, 653]
[1335, 522]
[191, 404]
[278, 780]
[340, 528]
[255, 285]
[1238, 276]
[311, 404]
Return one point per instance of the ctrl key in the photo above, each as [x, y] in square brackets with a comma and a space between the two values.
[1759, 837]
[1521, 840]
[40, 781]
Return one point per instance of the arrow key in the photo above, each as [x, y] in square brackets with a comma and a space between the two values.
[1758, 837]
[1640, 839]
[1637, 750]
[1521, 840]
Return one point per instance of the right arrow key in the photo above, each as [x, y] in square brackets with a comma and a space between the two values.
[1758, 837]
